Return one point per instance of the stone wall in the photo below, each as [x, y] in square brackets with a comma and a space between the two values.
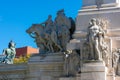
[46, 67]
[39, 67]
[13, 71]
[51, 67]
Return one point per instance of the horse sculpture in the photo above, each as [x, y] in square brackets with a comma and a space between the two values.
[53, 36]
[36, 31]
[9, 54]
[35, 28]
[43, 39]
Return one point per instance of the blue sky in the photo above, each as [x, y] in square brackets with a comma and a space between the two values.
[17, 15]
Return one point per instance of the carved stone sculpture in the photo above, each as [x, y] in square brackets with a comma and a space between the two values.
[86, 51]
[105, 54]
[9, 53]
[49, 25]
[115, 59]
[53, 36]
[94, 33]
[71, 62]
[98, 49]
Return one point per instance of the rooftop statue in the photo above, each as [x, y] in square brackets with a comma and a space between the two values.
[9, 53]
[52, 36]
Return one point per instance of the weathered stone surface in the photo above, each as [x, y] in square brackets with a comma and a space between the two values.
[93, 71]
[40, 67]
[13, 72]
[47, 57]
[112, 14]
[108, 10]
[117, 78]
[104, 3]
[73, 44]
[92, 66]
[65, 78]
[46, 67]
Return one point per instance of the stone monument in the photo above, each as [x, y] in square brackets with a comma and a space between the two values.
[99, 41]
[52, 36]
[94, 41]
[92, 52]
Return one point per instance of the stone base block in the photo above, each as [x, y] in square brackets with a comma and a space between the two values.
[50, 57]
[65, 78]
[46, 66]
[74, 44]
[93, 70]
[118, 71]
[117, 78]
[13, 71]
[110, 77]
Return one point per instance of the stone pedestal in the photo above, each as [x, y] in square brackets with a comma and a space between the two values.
[13, 71]
[117, 78]
[69, 78]
[110, 74]
[46, 66]
[118, 69]
[92, 70]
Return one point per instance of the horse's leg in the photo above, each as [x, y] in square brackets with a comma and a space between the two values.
[60, 49]
[48, 46]
[51, 47]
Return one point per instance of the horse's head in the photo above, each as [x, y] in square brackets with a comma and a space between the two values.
[31, 29]
[35, 28]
